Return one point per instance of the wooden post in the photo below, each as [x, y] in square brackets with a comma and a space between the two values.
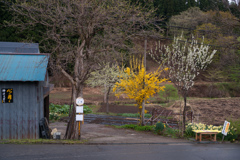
[191, 116]
[79, 130]
[79, 110]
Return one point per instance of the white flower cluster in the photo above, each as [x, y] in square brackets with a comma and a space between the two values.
[184, 60]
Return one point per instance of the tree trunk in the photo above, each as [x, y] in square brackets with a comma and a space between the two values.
[107, 107]
[72, 127]
[71, 103]
[143, 113]
[184, 112]
[105, 94]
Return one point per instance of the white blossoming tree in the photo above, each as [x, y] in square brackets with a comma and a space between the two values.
[106, 77]
[185, 60]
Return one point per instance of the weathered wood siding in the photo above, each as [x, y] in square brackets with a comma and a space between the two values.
[20, 119]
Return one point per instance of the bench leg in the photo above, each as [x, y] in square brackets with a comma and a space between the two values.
[200, 139]
[196, 137]
[215, 137]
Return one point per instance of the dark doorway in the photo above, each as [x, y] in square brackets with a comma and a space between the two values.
[46, 107]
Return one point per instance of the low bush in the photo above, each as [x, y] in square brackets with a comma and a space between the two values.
[235, 124]
[60, 109]
[164, 129]
[172, 132]
[159, 127]
[86, 109]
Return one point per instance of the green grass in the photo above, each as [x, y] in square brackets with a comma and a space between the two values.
[136, 127]
[133, 115]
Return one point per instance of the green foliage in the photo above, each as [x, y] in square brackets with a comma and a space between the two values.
[159, 127]
[169, 8]
[189, 131]
[137, 127]
[235, 70]
[170, 92]
[86, 109]
[172, 132]
[164, 129]
[134, 115]
[54, 116]
[60, 109]
[235, 124]
[206, 5]
[57, 110]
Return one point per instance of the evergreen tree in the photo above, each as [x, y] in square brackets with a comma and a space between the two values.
[204, 5]
[14, 34]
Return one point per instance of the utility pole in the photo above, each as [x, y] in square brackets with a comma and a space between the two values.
[145, 66]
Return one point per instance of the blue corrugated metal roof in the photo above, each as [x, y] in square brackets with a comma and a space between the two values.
[23, 67]
[17, 47]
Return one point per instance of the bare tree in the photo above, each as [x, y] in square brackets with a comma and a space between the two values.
[185, 61]
[81, 32]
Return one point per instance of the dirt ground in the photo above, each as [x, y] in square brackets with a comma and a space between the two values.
[215, 111]
[210, 111]
[101, 134]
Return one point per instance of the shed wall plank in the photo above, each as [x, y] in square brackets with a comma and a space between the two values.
[20, 119]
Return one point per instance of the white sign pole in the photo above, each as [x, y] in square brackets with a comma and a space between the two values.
[225, 129]
[79, 114]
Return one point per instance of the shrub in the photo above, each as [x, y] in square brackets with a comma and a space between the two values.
[170, 92]
[189, 131]
[60, 109]
[159, 127]
[172, 132]
[86, 109]
[234, 128]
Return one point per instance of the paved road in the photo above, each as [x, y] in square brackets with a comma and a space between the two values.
[172, 151]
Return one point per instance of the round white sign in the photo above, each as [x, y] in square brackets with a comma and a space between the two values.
[79, 101]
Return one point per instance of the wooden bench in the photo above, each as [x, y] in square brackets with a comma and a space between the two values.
[199, 134]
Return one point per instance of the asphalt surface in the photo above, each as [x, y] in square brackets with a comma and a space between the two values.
[101, 134]
[171, 151]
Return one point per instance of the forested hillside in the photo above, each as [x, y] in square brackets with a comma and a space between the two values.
[215, 20]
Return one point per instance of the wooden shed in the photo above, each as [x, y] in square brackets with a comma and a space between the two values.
[24, 90]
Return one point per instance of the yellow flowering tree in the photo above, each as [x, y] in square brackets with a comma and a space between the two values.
[139, 85]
